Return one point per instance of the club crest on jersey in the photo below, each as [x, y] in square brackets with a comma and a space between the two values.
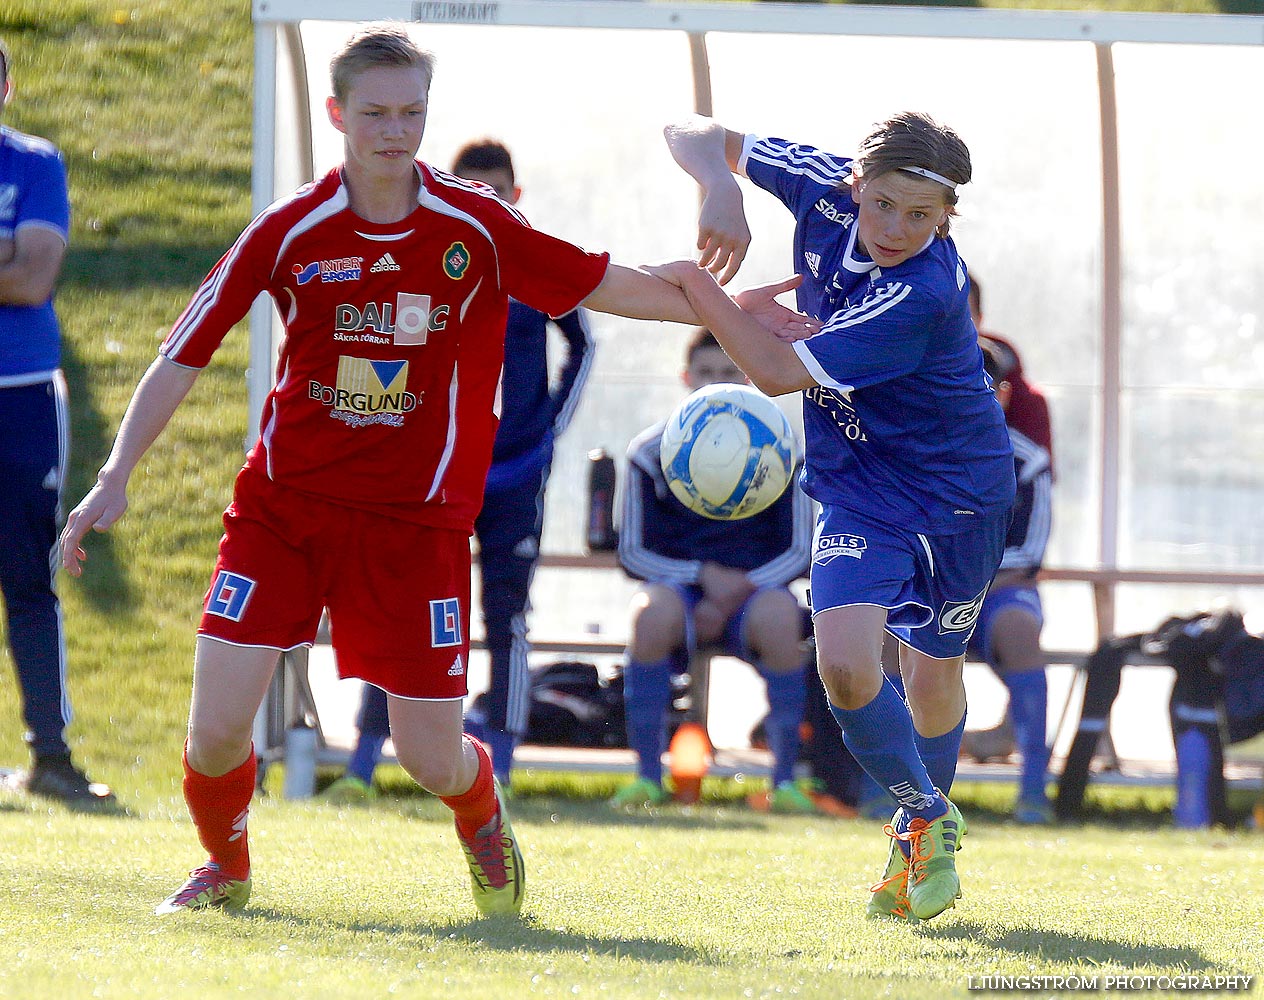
[339, 269]
[230, 593]
[960, 616]
[406, 322]
[367, 392]
[445, 622]
[455, 260]
[830, 547]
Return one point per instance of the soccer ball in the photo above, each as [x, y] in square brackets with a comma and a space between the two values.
[728, 452]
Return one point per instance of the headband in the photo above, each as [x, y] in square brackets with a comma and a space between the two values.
[931, 175]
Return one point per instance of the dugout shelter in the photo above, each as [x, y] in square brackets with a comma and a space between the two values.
[1114, 221]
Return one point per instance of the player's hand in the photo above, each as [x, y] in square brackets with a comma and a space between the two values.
[784, 323]
[97, 511]
[725, 587]
[723, 235]
[675, 272]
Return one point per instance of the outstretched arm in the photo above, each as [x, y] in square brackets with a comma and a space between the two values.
[751, 333]
[159, 392]
[635, 292]
[709, 153]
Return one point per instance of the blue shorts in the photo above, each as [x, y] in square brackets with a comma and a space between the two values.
[732, 641]
[932, 586]
[1025, 597]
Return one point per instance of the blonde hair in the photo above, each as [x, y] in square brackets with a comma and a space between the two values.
[913, 139]
[376, 45]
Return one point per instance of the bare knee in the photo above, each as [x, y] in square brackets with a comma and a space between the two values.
[850, 684]
[774, 630]
[216, 746]
[658, 624]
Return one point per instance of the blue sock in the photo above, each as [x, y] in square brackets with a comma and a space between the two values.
[872, 798]
[880, 737]
[646, 697]
[787, 699]
[364, 758]
[501, 746]
[1029, 706]
[1193, 770]
[939, 754]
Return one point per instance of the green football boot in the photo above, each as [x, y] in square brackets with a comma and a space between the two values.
[640, 794]
[889, 896]
[933, 884]
[498, 876]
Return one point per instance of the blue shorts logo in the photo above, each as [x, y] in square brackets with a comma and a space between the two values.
[230, 593]
[960, 616]
[445, 623]
[830, 547]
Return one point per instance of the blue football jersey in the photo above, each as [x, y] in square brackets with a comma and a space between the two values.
[32, 193]
[902, 425]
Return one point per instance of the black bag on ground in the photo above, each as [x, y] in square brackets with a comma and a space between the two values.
[572, 707]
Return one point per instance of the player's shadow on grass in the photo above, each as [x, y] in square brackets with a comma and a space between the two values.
[107, 587]
[1054, 946]
[507, 934]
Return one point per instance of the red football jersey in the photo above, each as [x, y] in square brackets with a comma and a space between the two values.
[387, 375]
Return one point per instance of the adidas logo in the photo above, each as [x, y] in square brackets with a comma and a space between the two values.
[950, 835]
[384, 263]
[457, 668]
[813, 262]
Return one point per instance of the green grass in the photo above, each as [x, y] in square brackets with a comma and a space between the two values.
[705, 901]
[152, 108]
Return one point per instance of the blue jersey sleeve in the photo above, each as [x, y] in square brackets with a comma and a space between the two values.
[883, 337]
[798, 174]
[41, 198]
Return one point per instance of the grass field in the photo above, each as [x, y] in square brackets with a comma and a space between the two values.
[710, 901]
[151, 103]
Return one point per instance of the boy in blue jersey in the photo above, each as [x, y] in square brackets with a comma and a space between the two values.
[906, 447]
[710, 582]
[34, 448]
[1008, 632]
[534, 412]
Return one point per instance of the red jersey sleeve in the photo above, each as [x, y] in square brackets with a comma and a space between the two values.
[224, 296]
[545, 272]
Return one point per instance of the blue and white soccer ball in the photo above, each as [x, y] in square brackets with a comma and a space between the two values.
[728, 451]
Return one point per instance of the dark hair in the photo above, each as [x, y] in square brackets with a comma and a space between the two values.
[4, 62]
[376, 45]
[701, 340]
[912, 139]
[481, 155]
[997, 362]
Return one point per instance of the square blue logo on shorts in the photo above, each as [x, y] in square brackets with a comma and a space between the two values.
[445, 622]
[229, 595]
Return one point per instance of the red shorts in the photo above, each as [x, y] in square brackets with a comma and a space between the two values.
[398, 593]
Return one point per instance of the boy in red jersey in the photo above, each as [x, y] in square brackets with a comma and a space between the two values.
[393, 280]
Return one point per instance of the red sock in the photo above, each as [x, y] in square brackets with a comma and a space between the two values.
[475, 807]
[219, 807]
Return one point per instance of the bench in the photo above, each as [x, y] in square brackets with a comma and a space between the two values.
[290, 700]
